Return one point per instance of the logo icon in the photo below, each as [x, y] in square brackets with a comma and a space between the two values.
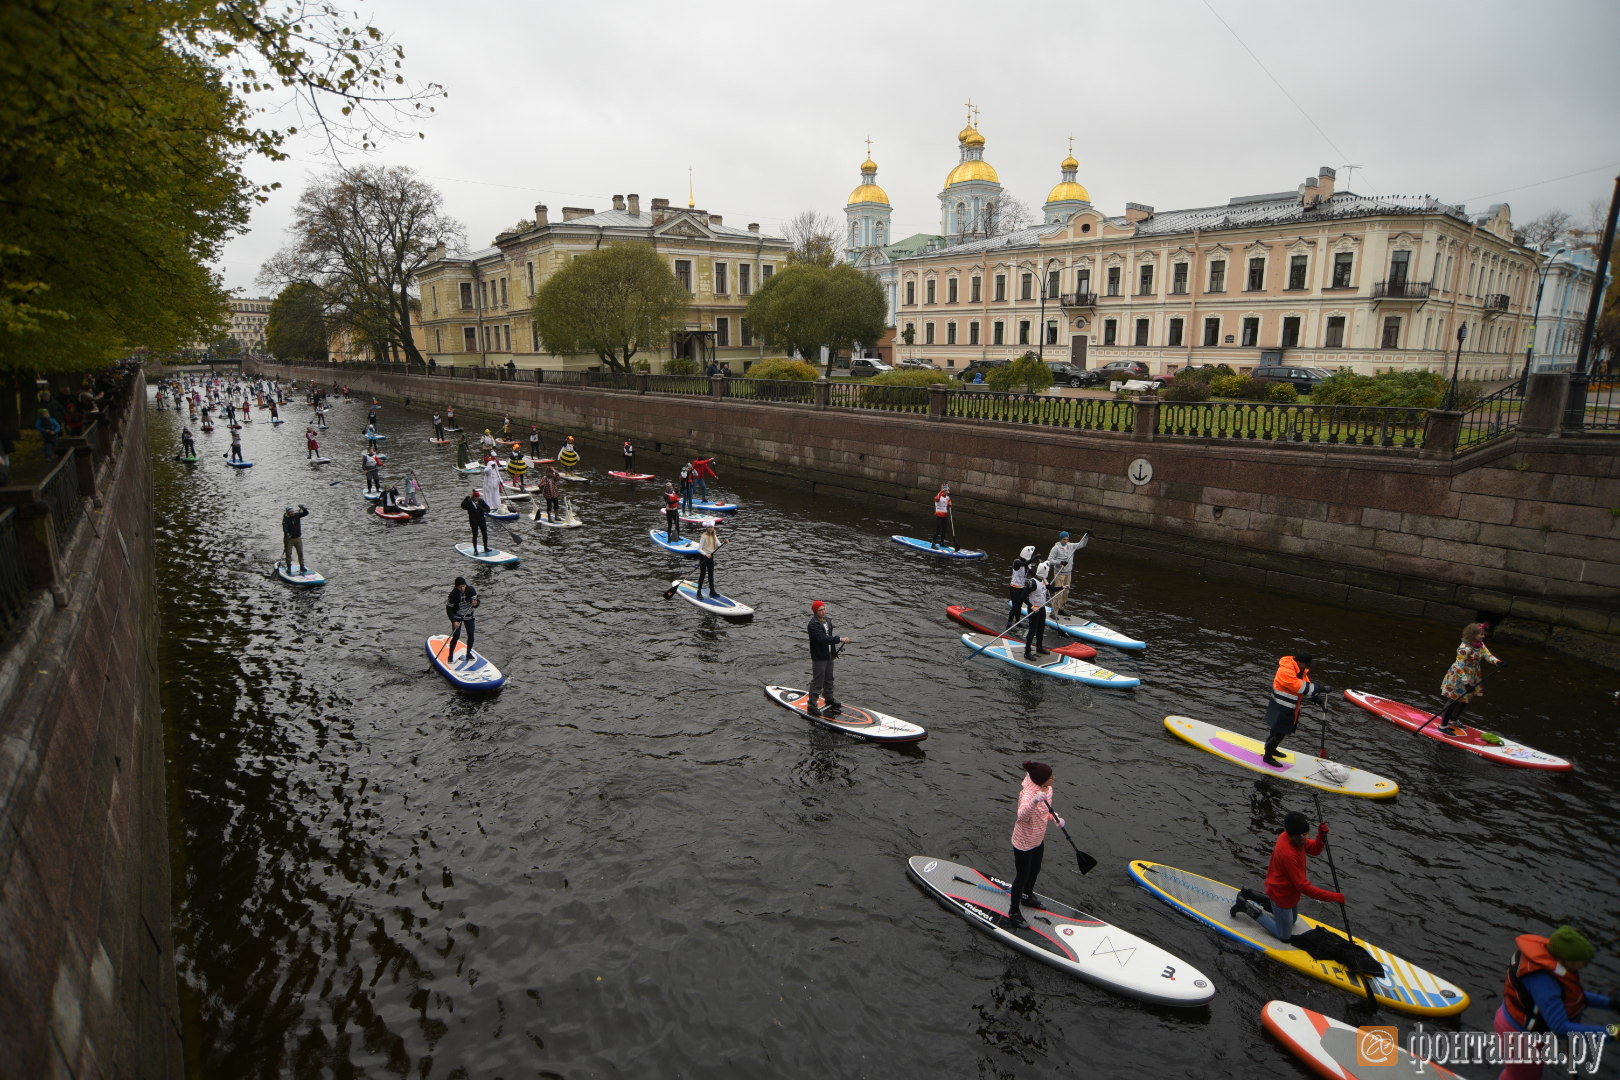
[1377, 1046]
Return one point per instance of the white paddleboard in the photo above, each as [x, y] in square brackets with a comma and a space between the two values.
[569, 522]
[305, 577]
[710, 601]
[679, 547]
[1094, 632]
[467, 669]
[853, 720]
[1331, 1048]
[1056, 664]
[495, 556]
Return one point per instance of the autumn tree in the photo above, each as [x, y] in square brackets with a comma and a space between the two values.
[613, 303]
[1542, 231]
[813, 238]
[296, 328]
[805, 307]
[1006, 214]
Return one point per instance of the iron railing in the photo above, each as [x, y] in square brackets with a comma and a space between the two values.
[1594, 404]
[678, 384]
[1077, 299]
[1077, 414]
[612, 380]
[796, 391]
[15, 583]
[554, 377]
[1328, 425]
[60, 492]
[1401, 290]
[1491, 417]
[908, 399]
[1496, 303]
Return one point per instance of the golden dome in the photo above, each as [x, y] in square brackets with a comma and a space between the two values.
[973, 170]
[1069, 163]
[868, 193]
[969, 136]
[1068, 190]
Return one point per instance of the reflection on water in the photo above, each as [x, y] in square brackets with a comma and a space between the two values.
[631, 863]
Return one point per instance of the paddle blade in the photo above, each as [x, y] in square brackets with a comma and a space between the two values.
[669, 593]
[1086, 863]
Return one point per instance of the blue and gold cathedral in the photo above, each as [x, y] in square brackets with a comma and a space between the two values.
[868, 212]
[972, 196]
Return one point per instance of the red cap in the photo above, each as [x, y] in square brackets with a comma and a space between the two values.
[818, 605]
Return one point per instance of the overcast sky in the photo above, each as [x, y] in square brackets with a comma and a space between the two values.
[1474, 101]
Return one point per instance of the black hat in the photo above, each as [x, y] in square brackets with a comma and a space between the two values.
[1303, 658]
[1296, 823]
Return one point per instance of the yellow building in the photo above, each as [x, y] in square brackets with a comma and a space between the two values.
[476, 308]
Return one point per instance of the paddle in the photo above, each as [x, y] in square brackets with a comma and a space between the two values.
[1467, 693]
[1344, 914]
[950, 510]
[1085, 862]
[1014, 626]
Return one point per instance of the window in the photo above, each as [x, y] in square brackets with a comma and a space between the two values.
[1290, 338]
[483, 294]
[973, 333]
[1001, 287]
[534, 337]
[1343, 263]
[765, 273]
[683, 273]
[1141, 331]
[1145, 282]
[1212, 330]
[469, 337]
[1399, 263]
[438, 340]
[911, 294]
[1026, 286]
[506, 331]
[1051, 332]
[745, 279]
[466, 294]
[1110, 332]
[722, 332]
[1296, 271]
[928, 333]
[1257, 274]
[1178, 278]
[1023, 331]
[433, 293]
[951, 296]
[747, 332]
[1217, 275]
[1082, 282]
[1335, 332]
[950, 333]
[975, 289]
[1251, 332]
[531, 279]
[1052, 277]
[1174, 340]
[929, 289]
[998, 333]
[1392, 333]
[1113, 281]
[503, 293]
[721, 285]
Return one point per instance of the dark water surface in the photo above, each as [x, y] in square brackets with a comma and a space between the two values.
[629, 863]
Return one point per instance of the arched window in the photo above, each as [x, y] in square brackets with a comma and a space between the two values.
[854, 234]
[961, 218]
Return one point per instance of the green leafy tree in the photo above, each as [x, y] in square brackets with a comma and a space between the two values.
[296, 328]
[1028, 373]
[806, 306]
[614, 302]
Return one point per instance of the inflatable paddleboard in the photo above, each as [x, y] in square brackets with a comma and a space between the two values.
[1331, 1048]
[448, 427]
[1065, 937]
[277, 420]
[363, 435]
[679, 547]
[494, 556]
[703, 522]
[320, 461]
[467, 669]
[1247, 753]
[300, 577]
[440, 442]
[1473, 739]
[372, 496]
[862, 723]
[1079, 650]
[944, 552]
[240, 464]
[716, 507]
[192, 460]
[574, 477]
[469, 469]
[391, 515]
[1096, 633]
[1404, 986]
[1063, 667]
[501, 515]
[620, 474]
[711, 601]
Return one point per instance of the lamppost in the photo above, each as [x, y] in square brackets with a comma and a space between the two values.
[1462, 336]
[1535, 317]
[1046, 278]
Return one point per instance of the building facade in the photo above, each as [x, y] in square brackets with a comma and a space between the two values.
[476, 309]
[1311, 277]
[1570, 274]
[248, 316]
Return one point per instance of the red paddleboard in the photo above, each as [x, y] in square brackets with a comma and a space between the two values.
[1472, 739]
[622, 475]
[1077, 649]
[392, 515]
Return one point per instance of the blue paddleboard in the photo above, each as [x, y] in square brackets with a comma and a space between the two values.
[679, 547]
[945, 552]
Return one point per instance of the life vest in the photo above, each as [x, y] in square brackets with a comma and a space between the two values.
[1530, 957]
[942, 505]
[672, 501]
[1291, 683]
[1020, 574]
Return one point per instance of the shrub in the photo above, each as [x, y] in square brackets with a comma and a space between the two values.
[1185, 389]
[1391, 389]
[1194, 375]
[1028, 374]
[1282, 393]
[909, 377]
[777, 368]
[682, 365]
[1229, 386]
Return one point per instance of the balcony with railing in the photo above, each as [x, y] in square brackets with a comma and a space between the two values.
[1496, 303]
[1078, 299]
[1401, 290]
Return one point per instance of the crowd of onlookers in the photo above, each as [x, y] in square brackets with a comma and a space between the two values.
[62, 406]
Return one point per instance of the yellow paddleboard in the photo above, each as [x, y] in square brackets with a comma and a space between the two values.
[1247, 753]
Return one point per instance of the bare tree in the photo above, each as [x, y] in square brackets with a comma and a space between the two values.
[1006, 215]
[1547, 228]
[814, 238]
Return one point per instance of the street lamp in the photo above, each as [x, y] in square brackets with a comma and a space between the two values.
[1046, 278]
[1535, 317]
[1462, 336]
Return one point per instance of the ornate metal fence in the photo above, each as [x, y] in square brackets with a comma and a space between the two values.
[902, 399]
[678, 384]
[15, 583]
[796, 391]
[1328, 425]
[60, 491]
[1076, 414]
[1491, 417]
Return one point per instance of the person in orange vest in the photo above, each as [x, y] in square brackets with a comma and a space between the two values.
[942, 514]
[1544, 992]
[1289, 688]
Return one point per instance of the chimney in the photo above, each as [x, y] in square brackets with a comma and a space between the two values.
[714, 219]
[539, 213]
[572, 212]
[1309, 193]
[660, 204]
[1325, 182]
[1135, 211]
[618, 202]
[438, 250]
[753, 226]
[635, 206]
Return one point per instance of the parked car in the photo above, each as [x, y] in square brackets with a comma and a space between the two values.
[1119, 371]
[1066, 374]
[922, 362]
[1304, 379]
[969, 373]
[867, 366]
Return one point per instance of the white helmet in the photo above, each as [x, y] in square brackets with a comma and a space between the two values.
[1044, 571]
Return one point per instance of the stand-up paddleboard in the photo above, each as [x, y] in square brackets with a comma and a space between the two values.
[501, 515]
[192, 460]
[240, 464]
[299, 577]
[277, 420]
[703, 522]
[568, 519]
[862, 723]
[1079, 650]
[363, 435]
[679, 547]
[716, 507]
[574, 477]
[1335, 1050]
[1094, 632]
[1065, 937]
[512, 494]
[1486, 744]
[620, 474]
[469, 469]
[466, 669]
[448, 427]
[944, 552]
[371, 496]
[1404, 986]
[711, 601]
[492, 556]
[1249, 753]
[320, 461]
[1063, 667]
[439, 442]
[415, 501]
[391, 515]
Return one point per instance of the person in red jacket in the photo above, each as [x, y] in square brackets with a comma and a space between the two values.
[702, 473]
[1286, 879]
[1289, 688]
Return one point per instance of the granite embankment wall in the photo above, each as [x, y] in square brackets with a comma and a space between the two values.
[87, 982]
[1527, 528]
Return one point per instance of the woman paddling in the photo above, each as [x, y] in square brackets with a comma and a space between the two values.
[708, 544]
[461, 606]
[1463, 678]
[1029, 836]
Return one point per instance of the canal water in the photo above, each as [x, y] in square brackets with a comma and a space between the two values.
[631, 864]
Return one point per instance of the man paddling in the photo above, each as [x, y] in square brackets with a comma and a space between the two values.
[372, 464]
[474, 505]
[461, 607]
[702, 473]
[1061, 559]
[1018, 584]
[438, 428]
[1286, 879]
[188, 445]
[1289, 688]
[292, 535]
[824, 646]
[942, 515]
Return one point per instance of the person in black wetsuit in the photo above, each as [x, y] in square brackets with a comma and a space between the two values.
[292, 535]
[824, 645]
[476, 509]
[461, 606]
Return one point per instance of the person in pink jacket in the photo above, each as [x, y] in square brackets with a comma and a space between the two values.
[1029, 837]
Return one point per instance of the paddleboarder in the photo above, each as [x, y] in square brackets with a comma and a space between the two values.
[534, 441]
[461, 606]
[450, 418]
[708, 544]
[390, 499]
[686, 486]
[1034, 638]
[372, 465]
[1462, 682]
[518, 467]
[506, 428]
[568, 457]
[942, 515]
[1018, 584]
[550, 486]
[236, 445]
[488, 444]
[474, 505]
[1544, 992]
[629, 457]
[492, 486]
[1061, 559]
[438, 427]
[1286, 879]
[1029, 836]
[188, 444]
[311, 444]
[292, 535]
[1289, 688]
[672, 512]
[824, 647]
[702, 473]
[461, 450]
